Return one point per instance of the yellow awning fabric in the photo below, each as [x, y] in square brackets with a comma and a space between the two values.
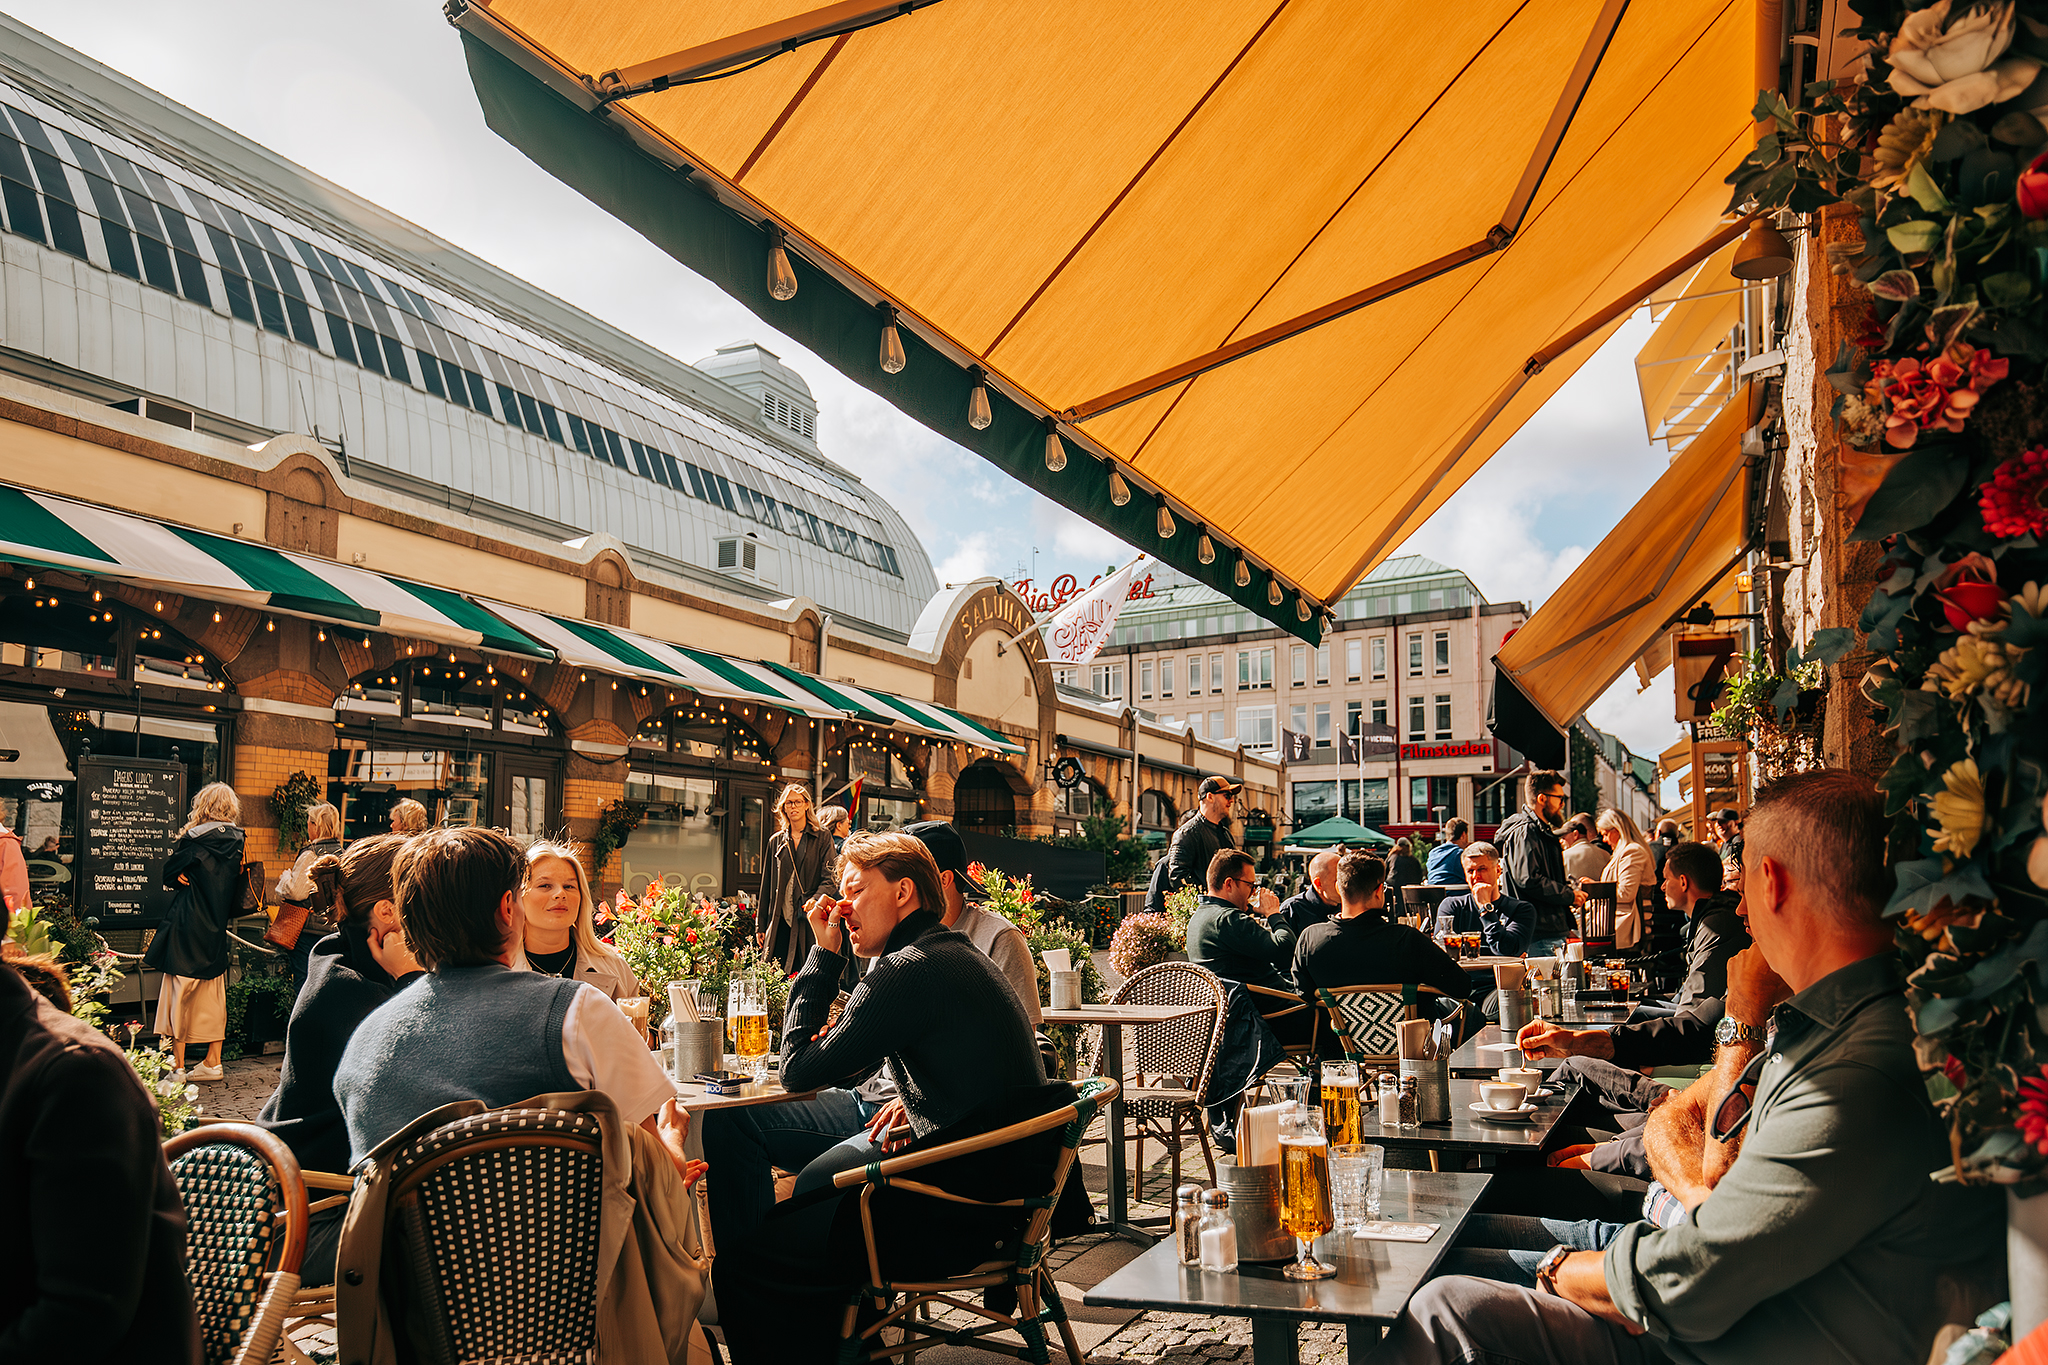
[1675, 759]
[1281, 260]
[1681, 540]
[1687, 368]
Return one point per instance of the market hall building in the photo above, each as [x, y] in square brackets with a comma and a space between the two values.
[288, 485]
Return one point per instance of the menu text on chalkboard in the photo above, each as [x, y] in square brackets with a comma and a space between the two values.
[129, 813]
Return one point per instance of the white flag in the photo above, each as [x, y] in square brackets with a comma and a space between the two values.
[1077, 632]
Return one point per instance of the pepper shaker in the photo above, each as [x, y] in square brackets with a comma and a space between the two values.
[1187, 1224]
[1410, 1103]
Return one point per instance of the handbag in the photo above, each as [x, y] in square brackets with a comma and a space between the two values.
[284, 931]
[252, 887]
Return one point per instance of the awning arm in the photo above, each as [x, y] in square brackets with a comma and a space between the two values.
[1496, 239]
[728, 55]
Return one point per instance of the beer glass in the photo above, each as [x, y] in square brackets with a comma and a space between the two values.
[1340, 1102]
[1305, 1189]
[748, 1005]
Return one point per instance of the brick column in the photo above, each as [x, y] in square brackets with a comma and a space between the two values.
[272, 745]
[590, 782]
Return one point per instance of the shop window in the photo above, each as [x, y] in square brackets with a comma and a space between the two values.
[982, 801]
[1082, 802]
[889, 812]
[41, 630]
[680, 842]
[1155, 810]
[1314, 801]
[1493, 804]
[1431, 799]
[366, 783]
[878, 767]
[1366, 803]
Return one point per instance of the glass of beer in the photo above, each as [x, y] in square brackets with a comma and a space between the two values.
[749, 1024]
[1340, 1102]
[1305, 1189]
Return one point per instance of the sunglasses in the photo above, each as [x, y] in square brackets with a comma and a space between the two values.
[1731, 1115]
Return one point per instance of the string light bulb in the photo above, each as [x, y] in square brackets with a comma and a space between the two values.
[1273, 593]
[1055, 449]
[216, 617]
[1119, 491]
[30, 583]
[1167, 528]
[893, 359]
[95, 594]
[1205, 548]
[1243, 576]
[978, 415]
[781, 278]
[1300, 607]
[269, 624]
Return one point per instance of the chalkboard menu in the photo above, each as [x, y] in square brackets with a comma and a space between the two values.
[130, 810]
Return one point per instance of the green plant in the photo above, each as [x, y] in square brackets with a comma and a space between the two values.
[669, 935]
[1181, 903]
[276, 986]
[28, 929]
[90, 967]
[177, 1106]
[1760, 696]
[289, 803]
[92, 981]
[615, 824]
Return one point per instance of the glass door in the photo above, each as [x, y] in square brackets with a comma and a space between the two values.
[748, 856]
[529, 798]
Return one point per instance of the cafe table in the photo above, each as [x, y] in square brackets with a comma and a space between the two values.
[1480, 1055]
[1113, 1020]
[1466, 1131]
[1373, 1283]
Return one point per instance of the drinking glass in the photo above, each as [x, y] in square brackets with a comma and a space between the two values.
[749, 1025]
[1305, 1189]
[1340, 1101]
[1356, 1171]
[1289, 1089]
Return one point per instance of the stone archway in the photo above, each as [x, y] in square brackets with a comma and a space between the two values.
[984, 799]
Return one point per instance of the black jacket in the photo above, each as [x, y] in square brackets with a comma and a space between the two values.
[343, 984]
[193, 941]
[1714, 932]
[1155, 889]
[1305, 907]
[1404, 869]
[812, 860]
[92, 1232]
[1195, 843]
[1371, 950]
[1532, 870]
[1506, 931]
[1681, 1039]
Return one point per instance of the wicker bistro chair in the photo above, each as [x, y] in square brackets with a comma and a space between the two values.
[1364, 1018]
[1166, 1066]
[491, 1238]
[1284, 1005]
[1596, 917]
[245, 1211]
[312, 1306]
[906, 1303]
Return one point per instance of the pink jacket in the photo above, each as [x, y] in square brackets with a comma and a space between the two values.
[13, 872]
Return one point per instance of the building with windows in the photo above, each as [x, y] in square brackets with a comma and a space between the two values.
[1411, 654]
[289, 485]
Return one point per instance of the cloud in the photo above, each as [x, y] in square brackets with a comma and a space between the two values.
[972, 557]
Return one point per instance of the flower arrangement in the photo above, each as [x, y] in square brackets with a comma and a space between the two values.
[668, 935]
[1142, 940]
[1940, 151]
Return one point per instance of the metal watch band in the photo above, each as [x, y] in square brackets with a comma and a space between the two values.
[1732, 1031]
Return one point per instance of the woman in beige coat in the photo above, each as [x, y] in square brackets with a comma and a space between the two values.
[1631, 867]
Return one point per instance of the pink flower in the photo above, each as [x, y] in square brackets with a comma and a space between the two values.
[623, 902]
[2015, 502]
[1940, 393]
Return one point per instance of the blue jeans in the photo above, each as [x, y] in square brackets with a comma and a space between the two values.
[744, 1147]
[1545, 947]
[1508, 1247]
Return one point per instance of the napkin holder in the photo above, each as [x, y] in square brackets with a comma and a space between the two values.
[700, 1046]
[1255, 1211]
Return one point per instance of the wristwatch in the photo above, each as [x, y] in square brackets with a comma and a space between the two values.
[1546, 1269]
[1729, 1031]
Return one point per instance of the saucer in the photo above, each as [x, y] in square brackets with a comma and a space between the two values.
[1522, 1115]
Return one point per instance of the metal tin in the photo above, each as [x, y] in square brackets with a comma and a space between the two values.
[1515, 1010]
[700, 1046]
[1066, 990]
[1432, 1088]
[1254, 1209]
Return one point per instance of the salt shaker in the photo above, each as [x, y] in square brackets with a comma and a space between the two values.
[1390, 1100]
[1410, 1103]
[1219, 1234]
[1187, 1224]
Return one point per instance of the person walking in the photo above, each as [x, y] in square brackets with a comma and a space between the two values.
[191, 949]
[800, 861]
[323, 839]
[1201, 836]
[13, 873]
[1532, 860]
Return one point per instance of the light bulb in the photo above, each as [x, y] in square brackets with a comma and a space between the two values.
[1055, 450]
[1244, 571]
[1205, 548]
[978, 415]
[1166, 524]
[781, 279]
[1300, 607]
[29, 583]
[1119, 491]
[270, 625]
[1273, 593]
[892, 342]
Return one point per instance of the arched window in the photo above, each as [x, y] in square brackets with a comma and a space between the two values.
[983, 801]
[1155, 810]
[686, 734]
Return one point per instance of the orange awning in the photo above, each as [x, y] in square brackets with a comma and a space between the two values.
[1281, 260]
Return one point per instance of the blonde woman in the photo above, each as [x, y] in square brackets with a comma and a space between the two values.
[408, 817]
[1631, 867]
[836, 821]
[558, 939]
[323, 837]
[191, 948]
[800, 865]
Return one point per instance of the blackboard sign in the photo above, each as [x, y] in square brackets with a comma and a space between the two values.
[129, 813]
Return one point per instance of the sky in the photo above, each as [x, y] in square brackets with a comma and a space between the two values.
[375, 97]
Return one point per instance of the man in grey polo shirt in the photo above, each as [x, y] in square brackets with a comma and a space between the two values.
[1812, 1233]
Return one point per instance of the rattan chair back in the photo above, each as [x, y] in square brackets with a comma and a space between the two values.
[1177, 1047]
[245, 1213]
[1366, 1019]
[494, 1222]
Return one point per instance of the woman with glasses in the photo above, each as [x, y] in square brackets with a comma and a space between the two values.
[800, 863]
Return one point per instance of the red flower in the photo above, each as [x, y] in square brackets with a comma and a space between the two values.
[1952, 1068]
[2033, 188]
[690, 937]
[1969, 591]
[1939, 393]
[2033, 1116]
[2015, 502]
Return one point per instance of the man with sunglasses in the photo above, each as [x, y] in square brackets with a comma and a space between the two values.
[1532, 862]
[1814, 1234]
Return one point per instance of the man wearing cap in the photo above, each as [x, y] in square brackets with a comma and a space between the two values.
[1197, 842]
[1001, 941]
[1728, 824]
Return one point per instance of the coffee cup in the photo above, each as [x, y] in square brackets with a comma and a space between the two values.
[1528, 1077]
[1502, 1096]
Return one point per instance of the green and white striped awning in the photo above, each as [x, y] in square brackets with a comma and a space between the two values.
[44, 531]
[630, 654]
[900, 713]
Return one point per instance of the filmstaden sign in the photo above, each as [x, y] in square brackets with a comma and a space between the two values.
[1066, 588]
[1470, 748]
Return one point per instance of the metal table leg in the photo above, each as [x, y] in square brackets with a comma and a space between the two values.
[1275, 1342]
[1360, 1340]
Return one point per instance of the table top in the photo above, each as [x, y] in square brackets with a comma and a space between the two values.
[1123, 1014]
[1466, 1131]
[1373, 1283]
[690, 1095]
[1471, 1060]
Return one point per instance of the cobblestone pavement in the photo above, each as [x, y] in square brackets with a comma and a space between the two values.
[1151, 1336]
